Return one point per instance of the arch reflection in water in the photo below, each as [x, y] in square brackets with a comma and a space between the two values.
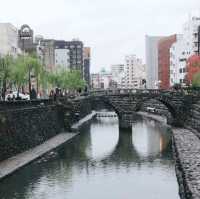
[103, 142]
[150, 138]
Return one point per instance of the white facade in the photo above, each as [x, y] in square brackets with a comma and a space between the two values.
[134, 72]
[117, 72]
[185, 46]
[101, 80]
[151, 48]
[8, 40]
[62, 59]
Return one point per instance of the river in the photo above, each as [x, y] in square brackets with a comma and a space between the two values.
[102, 162]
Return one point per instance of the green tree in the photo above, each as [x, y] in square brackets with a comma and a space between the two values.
[66, 80]
[19, 75]
[75, 80]
[196, 80]
[5, 72]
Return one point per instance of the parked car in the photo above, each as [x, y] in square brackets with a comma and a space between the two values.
[13, 95]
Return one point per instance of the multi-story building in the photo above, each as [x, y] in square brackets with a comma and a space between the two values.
[59, 52]
[117, 72]
[151, 48]
[134, 72]
[177, 61]
[187, 44]
[101, 80]
[62, 59]
[8, 40]
[164, 46]
[46, 52]
[86, 64]
[25, 39]
[75, 48]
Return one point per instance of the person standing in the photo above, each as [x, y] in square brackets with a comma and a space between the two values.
[33, 94]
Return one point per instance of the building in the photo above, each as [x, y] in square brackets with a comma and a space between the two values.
[164, 46]
[75, 48]
[62, 59]
[86, 64]
[151, 48]
[46, 53]
[177, 61]
[101, 80]
[134, 73]
[59, 52]
[187, 44]
[95, 81]
[25, 39]
[117, 72]
[8, 40]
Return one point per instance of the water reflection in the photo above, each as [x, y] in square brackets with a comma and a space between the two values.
[98, 150]
[102, 162]
[150, 139]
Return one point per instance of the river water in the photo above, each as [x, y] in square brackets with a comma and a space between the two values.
[103, 162]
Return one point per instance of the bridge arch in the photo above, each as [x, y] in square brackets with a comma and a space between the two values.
[165, 102]
[103, 103]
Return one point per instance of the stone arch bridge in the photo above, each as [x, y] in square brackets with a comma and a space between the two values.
[126, 102]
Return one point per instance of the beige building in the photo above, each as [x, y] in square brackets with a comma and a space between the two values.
[134, 73]
[8, 40]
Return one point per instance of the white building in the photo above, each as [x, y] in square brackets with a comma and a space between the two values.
[134, 72]
[62, 58]
[185, 46]
[117, 72]
[101, 80]
[151, 48]
[8, 40]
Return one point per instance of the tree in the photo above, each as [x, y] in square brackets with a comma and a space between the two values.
[19, 73]
[66, 80]
[75, 80]
[196, 80]
[5, 72]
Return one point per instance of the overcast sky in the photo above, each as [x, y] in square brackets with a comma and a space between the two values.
[112, 28]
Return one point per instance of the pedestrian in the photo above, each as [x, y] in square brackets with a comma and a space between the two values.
[33, 94]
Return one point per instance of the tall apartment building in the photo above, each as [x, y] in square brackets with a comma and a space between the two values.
[58, 52]
[187, 44]
[117, 72]
[164, 46]
[134, 72]
[151, 48]
[86, 64]
[46, 52]
[75, 48]
[8, 40]
[62, 59]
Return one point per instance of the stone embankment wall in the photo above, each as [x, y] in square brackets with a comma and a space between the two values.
[26, 124]
[193, 119]
[21, 129]
[74, 110]
[186, 147]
